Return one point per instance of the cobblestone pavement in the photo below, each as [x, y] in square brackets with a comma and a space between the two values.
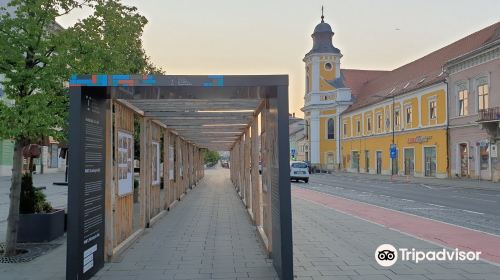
[56, 195]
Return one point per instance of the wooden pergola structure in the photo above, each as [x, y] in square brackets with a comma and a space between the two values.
[176, 118]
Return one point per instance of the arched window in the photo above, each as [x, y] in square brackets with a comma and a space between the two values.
[331, 129]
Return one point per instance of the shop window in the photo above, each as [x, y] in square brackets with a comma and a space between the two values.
[432, 109]
[484, 157]
[331, 129]
[463, 102]
[482, 92]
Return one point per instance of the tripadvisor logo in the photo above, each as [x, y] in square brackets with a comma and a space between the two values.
[387, 255]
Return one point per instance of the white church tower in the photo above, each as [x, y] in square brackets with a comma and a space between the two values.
[325, 99]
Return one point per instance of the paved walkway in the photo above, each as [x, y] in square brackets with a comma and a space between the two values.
[208, 235]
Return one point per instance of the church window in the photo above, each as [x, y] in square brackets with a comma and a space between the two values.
[331, 129]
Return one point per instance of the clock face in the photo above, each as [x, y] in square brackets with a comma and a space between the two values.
[328, 66]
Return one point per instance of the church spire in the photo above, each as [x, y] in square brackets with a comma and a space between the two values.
[322, 16]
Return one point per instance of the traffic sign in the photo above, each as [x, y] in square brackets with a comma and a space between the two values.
[393, 151]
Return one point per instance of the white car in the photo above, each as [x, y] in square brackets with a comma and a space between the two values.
[299, 171]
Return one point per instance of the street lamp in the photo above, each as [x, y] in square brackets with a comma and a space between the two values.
[393, 96]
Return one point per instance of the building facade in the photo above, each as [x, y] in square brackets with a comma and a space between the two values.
[406, 121]
[326, 97]
[414, 122]
[474, 112]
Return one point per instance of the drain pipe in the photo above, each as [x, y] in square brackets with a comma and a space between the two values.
[448, 148]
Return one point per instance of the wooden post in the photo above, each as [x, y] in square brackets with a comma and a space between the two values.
[178, 168]
[109, 190]
[242, 167]
[256, 186]
[248, 190]
[166, 168]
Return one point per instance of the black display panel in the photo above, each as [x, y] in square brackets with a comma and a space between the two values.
[87, 150]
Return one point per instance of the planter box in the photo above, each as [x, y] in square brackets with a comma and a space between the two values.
[40, 227]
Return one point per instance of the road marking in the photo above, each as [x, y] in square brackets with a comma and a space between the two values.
[485, 194]
[473, 212]
[407, 199]
[383, 195]
[425, 208]
[425, 186]
[437, 205]
[480, 199]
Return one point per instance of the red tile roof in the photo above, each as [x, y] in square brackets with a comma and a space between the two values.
[422, 72]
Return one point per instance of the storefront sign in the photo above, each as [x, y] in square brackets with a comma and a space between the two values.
[419, 139]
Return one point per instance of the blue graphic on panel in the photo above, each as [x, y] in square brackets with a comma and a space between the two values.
[215, 81]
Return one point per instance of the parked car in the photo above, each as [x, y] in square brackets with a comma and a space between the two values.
[299, 171]
[308, 166]
[224, 163]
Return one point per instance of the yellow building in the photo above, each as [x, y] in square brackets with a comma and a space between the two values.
[385, 122]
[419, 134]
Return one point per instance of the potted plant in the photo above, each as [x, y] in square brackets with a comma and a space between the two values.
[38, 221]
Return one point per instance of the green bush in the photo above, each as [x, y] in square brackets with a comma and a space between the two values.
[32, 200]
[211, 157]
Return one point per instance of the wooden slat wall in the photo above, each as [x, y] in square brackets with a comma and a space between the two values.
[267, 139]
[166, 167]
[155, 195]
[124, 205]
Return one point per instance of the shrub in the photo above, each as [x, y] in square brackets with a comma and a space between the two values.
[32, 200]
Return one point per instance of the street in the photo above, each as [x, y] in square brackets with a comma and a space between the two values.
[473, 208]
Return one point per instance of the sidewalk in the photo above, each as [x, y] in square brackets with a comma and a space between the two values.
[462, 183]
[331, 245]
[208, 235]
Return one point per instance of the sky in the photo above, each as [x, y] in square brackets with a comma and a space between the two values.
[272, 36]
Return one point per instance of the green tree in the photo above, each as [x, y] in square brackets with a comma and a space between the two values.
[211, 157]
[37, 57]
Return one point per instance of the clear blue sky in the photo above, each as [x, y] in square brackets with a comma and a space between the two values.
[272, 36]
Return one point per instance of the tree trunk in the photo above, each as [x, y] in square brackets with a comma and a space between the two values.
[15, 196]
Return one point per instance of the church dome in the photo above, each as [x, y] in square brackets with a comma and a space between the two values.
[322, 39]
[323, 27]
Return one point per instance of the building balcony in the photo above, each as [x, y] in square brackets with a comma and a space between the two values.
[489, 114]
